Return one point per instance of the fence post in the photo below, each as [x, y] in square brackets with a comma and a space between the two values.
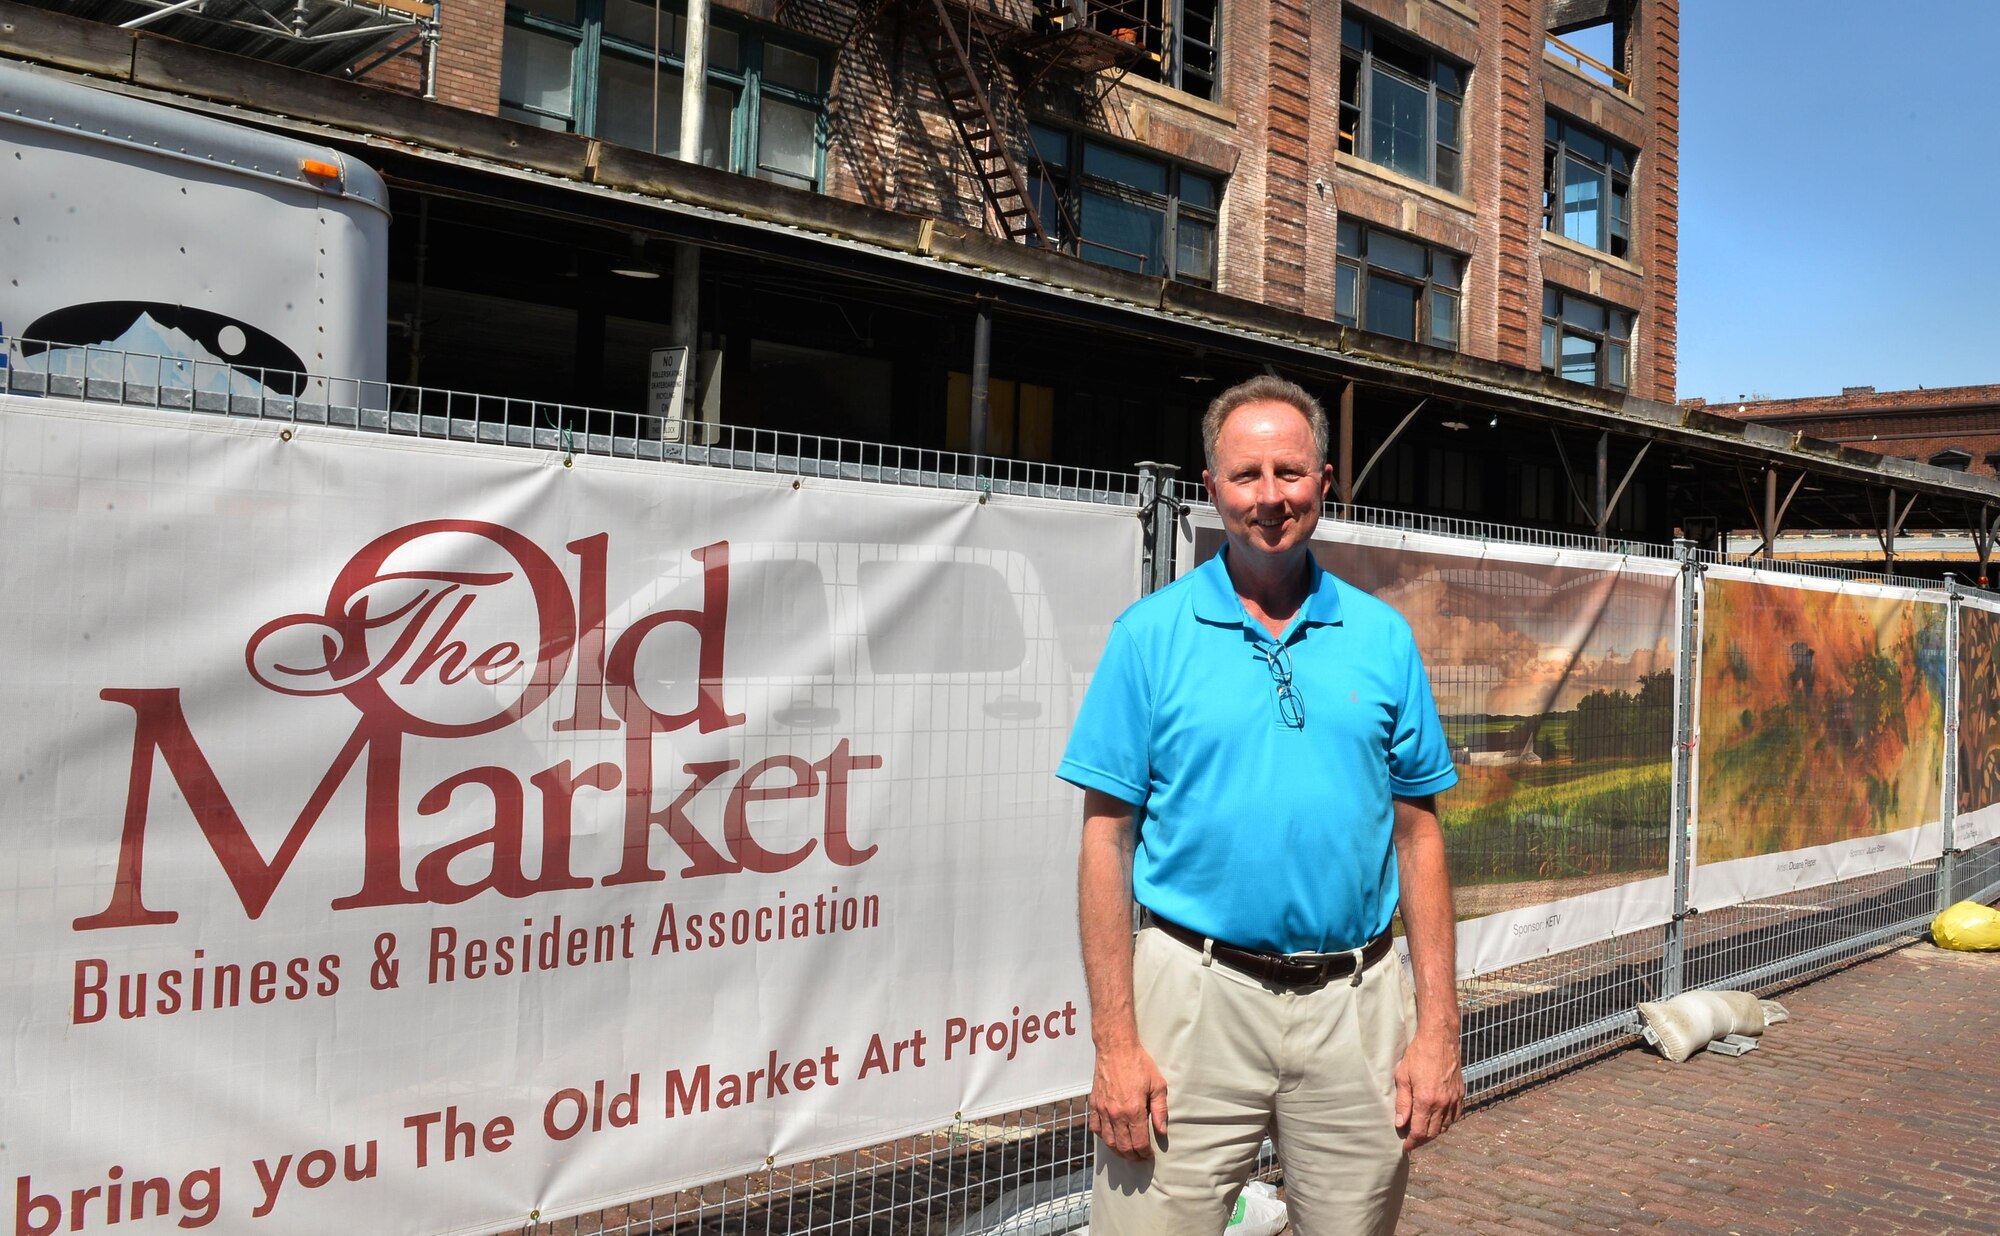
[1680, 837]
[1157, 510]
[1948, 857]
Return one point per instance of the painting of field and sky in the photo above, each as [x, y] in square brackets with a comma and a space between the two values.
[1822, 717]
[1978, 708]
[1555, 684]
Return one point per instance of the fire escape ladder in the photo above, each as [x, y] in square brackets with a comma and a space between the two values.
[972, 112]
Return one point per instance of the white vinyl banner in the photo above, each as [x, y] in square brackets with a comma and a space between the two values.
[412, 837]
[1821, 744]
[1978, 818]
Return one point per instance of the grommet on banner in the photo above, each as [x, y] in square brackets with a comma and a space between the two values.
[796, 483]
[285, 435]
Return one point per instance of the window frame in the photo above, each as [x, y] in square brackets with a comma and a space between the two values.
[1056, 190]
[1163, 29]
[1353, 262]
[1613, 172]
[1175, 41]
[1360, 61]
[1558, 325]
[591, 44]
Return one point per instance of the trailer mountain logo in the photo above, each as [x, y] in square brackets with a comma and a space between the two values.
[191, 338]
[445, 630]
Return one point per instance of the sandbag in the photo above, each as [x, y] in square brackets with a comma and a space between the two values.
[1967, 926]
[1684, 1025]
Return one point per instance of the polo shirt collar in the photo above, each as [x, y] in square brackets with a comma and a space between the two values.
[1215, 599]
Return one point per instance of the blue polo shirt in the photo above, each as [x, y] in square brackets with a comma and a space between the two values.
[1253, 831]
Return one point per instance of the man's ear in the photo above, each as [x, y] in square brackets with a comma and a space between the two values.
[1208, 483]
[1325, 480]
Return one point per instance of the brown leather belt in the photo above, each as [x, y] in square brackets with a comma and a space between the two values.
[1284, 969]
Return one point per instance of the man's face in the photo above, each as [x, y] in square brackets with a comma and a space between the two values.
[1268, 481]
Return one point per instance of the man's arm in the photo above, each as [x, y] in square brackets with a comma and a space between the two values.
[1127, 1089]
[1429, 1086]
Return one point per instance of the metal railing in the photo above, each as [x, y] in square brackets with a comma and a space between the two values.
[136, 380]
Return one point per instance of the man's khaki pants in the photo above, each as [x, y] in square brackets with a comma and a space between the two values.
[1313, 1067]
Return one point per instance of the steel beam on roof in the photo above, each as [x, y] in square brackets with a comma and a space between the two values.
[1387, 442]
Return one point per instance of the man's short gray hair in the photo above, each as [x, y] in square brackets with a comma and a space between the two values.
[1263, 388]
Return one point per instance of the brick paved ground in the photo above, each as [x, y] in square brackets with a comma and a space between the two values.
[1876, 1109]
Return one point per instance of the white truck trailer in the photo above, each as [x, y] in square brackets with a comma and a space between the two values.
[131, 229]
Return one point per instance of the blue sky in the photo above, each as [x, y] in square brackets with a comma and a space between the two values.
[1840, 197]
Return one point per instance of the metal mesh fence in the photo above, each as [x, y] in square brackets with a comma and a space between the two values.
[1976, 874]
[1779, 941]
[1027, 1172]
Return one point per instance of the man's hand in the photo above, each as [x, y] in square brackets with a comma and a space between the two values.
[1127, 1092]
[1126, 1095]
[1430, 1089]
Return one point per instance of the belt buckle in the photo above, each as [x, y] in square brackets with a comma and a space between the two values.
[1310, 973]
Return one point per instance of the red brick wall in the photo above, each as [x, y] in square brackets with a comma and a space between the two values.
[1656, 38]
[1273, 134]
[469, 54]
[1914, 424]
[1288, 171]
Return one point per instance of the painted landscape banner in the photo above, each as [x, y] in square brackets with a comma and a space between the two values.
[409, 836]
[1821, 748]
[1978, 818]
[1553, 673]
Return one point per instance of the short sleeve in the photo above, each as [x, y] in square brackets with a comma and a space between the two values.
[1109, 747]
[1419, 756]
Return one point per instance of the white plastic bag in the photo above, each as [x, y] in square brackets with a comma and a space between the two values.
[1258, 1212]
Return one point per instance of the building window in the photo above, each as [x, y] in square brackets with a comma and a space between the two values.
[591, 66]
[1393, 285]
[1587, 187]
[1180, 37]
[1454, 480]
[1585, 340]
[1121, 208]
[1541, 498]
[1400, 105]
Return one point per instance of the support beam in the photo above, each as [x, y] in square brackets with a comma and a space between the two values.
[1986, 546]
[1630, 472]
[1603, 520]
[1982, 544]
[1569, 475]
[1388, 442]
[982, 374]
[1770, 528]
[1891, 528]
[1786, 505]
[148, 19]
[1345, 469]
[684, 314]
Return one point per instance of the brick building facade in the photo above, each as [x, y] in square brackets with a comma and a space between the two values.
[1456, 228]
[1270, 137]
[1956, 427]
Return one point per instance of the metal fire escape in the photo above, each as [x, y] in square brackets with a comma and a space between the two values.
[968, 43]
[345, 37]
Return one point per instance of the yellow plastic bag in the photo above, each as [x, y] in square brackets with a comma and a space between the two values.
[1967, 926]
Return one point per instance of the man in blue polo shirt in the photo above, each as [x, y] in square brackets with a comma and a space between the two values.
[1258, 752]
